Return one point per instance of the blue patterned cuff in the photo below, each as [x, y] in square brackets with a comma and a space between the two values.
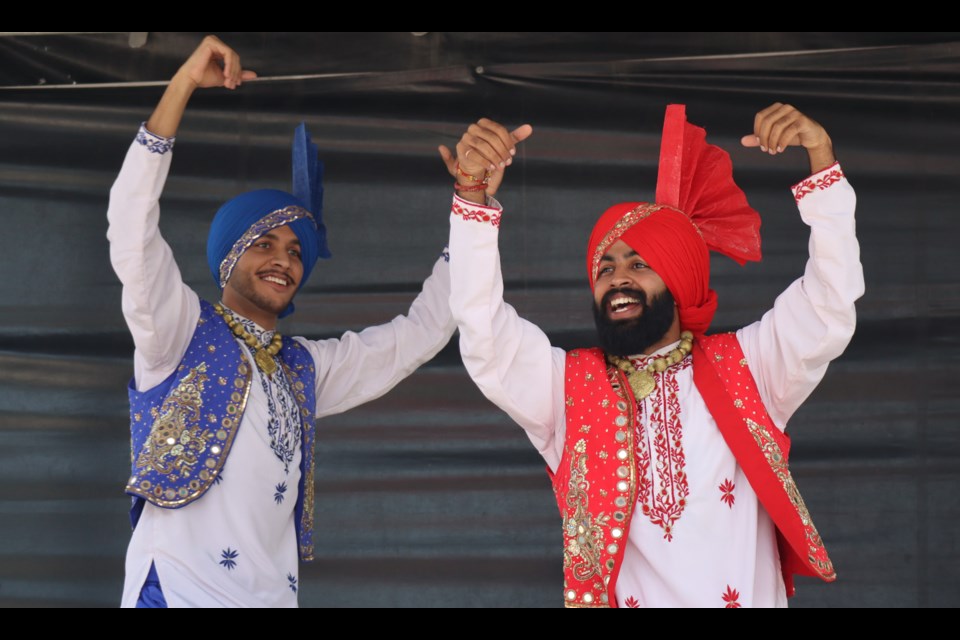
[445, 254]
[153, 142]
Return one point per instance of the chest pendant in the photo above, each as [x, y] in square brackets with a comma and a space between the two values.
[642, 381]
[266, 362]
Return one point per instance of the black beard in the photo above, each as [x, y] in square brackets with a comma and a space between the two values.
[634, 335]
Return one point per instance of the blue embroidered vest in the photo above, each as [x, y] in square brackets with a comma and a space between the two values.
[182, 429]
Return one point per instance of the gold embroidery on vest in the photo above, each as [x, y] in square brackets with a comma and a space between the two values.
[176, 440]
[778, 463]
[583, 531]
[177, 432]
[592, 543]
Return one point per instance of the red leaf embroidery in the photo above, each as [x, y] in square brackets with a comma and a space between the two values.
[660, 454]
[632, 603]
[731, 597]
[810, 185]
[478, 215]
[727, 489]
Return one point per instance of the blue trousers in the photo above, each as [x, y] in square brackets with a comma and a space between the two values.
[151, 595]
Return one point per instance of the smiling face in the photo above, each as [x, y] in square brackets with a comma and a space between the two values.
[266, 277]
[634, 311]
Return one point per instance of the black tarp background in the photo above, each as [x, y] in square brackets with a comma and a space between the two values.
[430, 496]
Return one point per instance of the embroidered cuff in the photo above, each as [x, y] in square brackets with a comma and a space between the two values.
[476, 212]
[818, 182]
[153, 142]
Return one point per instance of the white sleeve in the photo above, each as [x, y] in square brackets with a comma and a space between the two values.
[160, 310]
[509, 359]
[811, 322]
[359, 367]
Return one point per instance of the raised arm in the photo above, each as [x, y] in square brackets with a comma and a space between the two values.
[509, 359]
[811, 322]
[160, 310]
[359, 367]
[213, 64]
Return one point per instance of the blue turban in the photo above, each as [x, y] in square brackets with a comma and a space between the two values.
[242, 220]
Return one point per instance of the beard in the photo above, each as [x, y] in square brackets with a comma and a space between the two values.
[634, 336]
[243, 284]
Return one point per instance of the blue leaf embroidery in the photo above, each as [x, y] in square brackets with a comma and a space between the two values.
[229, 558]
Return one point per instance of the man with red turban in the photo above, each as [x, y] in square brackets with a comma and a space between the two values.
[666, 446]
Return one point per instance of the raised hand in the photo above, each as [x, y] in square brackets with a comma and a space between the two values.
[214, 64]
[484, 151]
[781, 125]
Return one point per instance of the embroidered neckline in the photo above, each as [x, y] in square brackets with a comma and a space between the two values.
[263, 336]
[662, 485]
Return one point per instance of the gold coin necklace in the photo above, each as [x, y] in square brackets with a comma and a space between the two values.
[643, 381]
[265, 357]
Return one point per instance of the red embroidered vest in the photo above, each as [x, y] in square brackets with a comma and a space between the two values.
[596, 481]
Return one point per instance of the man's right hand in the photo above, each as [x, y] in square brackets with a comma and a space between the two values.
[781, 125]
[485, 150]
[213, 64]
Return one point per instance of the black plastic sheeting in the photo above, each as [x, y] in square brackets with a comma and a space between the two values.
[430, 496]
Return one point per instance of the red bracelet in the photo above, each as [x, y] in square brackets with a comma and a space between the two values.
[463, 174]
[469, 187]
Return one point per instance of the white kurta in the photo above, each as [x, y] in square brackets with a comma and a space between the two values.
[236, 545]
[720, 548]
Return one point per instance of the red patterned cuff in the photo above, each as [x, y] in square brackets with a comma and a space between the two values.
[476, 212]
[819, 181]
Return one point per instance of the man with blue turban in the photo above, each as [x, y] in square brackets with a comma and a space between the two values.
[222, 407]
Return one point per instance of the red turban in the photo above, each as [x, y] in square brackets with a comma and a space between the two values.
[699, 208]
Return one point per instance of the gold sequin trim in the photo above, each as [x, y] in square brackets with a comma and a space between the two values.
[306, 444]
[586, 550]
